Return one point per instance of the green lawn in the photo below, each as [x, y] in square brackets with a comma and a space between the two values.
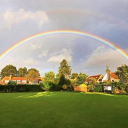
[63, 110]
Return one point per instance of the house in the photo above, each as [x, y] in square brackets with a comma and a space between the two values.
[97, 77]
[110, 77]
[19, 80]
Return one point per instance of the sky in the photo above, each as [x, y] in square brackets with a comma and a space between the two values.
[107, 19]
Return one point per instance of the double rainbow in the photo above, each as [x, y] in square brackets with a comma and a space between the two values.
[111, 45]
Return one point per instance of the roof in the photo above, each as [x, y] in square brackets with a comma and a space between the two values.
[18, 78]
[6, 78]
[113, 75]
[95, 76]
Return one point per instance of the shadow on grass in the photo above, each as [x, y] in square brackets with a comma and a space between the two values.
[39, 94]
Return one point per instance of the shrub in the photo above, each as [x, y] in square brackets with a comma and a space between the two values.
[91, 88]
[64, 87]
[20, 88]
[98, 88]
[12, 83]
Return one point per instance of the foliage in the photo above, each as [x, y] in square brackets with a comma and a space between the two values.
[64, 87]
[9, 70]
[74, 75]
[98, 88]
[64, 69]
[93, 81]
[20, 88]
[22, 72]
[46, 86]
[81, 78]
[49, 77]
[63, 81]
[122, 73]
[32, 74]
[12, 83]
[91, 88]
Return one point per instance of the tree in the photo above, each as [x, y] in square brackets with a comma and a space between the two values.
[49, 77]
[32, 74]
[93, 81]
[74, 75]
[122, 73]
[9, 70]
[64, 81]
[81, 78]
[22, 72]
[64, 69]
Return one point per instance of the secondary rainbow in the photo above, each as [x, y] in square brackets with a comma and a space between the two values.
[113, 46]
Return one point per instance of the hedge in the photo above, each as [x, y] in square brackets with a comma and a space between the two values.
[20, 88]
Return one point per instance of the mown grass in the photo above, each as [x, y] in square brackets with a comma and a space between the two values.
[63, 110]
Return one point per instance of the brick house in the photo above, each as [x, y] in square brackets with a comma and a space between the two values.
[19, 80]
[97, 77]
[110, 77]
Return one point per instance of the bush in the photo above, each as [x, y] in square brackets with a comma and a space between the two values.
[91, 88]
[20, 88]
[12, 83]
[98, 88]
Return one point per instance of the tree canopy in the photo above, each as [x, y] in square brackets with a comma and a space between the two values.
[64, 69]
[22, 72]
[74, 75]
[122, 73]
[81, 78]
[49, 77]
[9, 70]
[32, 74]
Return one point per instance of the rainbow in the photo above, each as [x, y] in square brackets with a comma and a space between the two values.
[111, 45]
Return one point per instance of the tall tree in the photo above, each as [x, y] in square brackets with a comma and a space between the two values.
[122, 73]
[64, 69]
[22, 72]
[74, 75]
[49, 77]
[32, 74]
[9, 70]
[81, 78]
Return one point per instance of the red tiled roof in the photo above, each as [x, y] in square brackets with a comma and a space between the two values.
[95, 76]
[113, 75]
[18, 78]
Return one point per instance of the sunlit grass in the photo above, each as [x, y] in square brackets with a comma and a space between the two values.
[63, 110]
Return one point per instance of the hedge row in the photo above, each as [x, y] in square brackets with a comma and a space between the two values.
[20, 88]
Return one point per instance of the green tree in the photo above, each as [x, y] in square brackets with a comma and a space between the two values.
[81, 78]
[74, 75]
[22, 72]
[93, 81]
[63, 81]
[9, 70]
[64, 69]
[122, 73]
[32, 74]
[49, 77]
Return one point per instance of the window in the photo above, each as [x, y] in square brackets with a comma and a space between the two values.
[24, 82]
[34, 82]
[18, 81]
[6, 81]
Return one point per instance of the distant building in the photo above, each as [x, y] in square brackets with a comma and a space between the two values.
[110, 77]
[19, 80]
[97, 77]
